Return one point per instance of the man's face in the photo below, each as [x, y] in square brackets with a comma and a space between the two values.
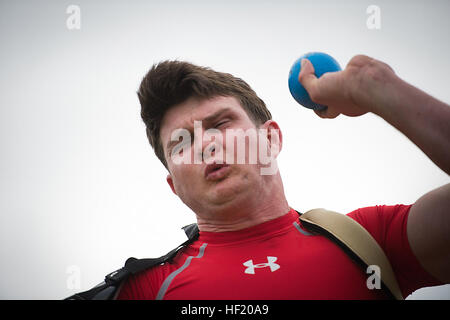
[203, 187]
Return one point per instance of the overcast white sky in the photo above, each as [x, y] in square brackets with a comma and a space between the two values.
[80, 188]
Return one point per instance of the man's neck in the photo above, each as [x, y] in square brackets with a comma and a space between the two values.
[250, 220]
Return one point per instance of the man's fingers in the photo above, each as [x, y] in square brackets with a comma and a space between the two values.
[311, 83]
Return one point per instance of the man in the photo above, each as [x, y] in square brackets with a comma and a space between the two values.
[251, 243]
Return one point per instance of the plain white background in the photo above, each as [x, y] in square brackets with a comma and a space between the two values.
[80, 187]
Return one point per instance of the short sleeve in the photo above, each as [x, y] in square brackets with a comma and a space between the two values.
[140, 287]
[135, 288]
[387, 224]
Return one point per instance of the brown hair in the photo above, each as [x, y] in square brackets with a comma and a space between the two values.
[172, 82]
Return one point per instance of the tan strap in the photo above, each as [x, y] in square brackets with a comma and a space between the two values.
[358, 240]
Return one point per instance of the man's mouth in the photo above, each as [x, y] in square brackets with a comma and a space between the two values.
[216, 171]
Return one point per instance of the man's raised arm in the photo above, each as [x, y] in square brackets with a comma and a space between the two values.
[369, 85]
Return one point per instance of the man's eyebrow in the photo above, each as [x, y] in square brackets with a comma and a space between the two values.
[216, 114]
[207, 119]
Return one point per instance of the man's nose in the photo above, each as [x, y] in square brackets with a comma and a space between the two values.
[213, 151]
[209, 150]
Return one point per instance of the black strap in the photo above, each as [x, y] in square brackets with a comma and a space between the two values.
[103, 291]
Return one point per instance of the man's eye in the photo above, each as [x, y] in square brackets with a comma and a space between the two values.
[178, 149]
[221, 123]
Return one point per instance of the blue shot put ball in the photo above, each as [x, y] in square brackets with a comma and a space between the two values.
[322, 63]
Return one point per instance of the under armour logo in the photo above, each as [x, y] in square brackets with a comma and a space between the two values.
[270, 263]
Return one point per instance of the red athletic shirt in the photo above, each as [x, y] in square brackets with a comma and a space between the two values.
[279, 259]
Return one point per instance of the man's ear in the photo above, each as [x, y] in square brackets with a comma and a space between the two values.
[274, 134]
[170, 182]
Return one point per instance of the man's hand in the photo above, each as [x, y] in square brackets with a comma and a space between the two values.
[350, 91]
[369, 85]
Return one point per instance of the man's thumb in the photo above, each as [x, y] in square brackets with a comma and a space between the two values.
[307, 76]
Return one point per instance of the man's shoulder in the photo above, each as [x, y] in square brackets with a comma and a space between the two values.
[382, 221]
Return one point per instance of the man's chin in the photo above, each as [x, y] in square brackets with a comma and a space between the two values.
[226, 192]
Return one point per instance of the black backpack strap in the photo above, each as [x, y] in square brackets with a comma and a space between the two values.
[191, 231]
[108, 289]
